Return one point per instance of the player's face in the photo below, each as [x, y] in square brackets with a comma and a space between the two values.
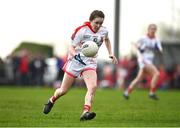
[152, 30]
[97, 23]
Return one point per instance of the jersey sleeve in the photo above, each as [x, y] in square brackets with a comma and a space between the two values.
[140, 44]
[105, 33]
[159, 46]
[77, 37]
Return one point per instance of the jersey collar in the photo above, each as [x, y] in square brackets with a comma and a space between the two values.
[89, 25]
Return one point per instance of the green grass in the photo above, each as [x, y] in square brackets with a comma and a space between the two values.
[22, 107]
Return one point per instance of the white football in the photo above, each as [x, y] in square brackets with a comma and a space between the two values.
[89, 49]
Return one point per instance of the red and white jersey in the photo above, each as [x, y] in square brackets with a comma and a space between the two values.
[82, 34]
[147, 47]
[85, 33]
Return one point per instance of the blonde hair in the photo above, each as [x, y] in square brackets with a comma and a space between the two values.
[152, 25]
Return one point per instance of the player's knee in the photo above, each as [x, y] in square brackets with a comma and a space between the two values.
[157, 74]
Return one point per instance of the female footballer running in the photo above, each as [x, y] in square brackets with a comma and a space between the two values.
[146, 46]
[80, 65]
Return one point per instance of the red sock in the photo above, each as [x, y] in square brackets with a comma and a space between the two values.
[53, 99]
[153, 89]
[86, 108]
[129, 89]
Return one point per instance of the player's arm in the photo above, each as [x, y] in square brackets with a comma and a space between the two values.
[140, 45]
[74, 55]
[76, 39]
[72, 50]
[159, 48]
[109, 48]
[136, 46]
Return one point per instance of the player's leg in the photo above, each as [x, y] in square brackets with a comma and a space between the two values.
[133, 83]
[90, 78]
[66, 83]
[151, 69]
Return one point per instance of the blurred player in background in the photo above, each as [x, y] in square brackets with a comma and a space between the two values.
[146, 48]
[79, 65]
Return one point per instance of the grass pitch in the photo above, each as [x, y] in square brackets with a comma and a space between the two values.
[22, 107]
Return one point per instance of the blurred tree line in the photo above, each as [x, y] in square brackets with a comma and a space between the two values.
[34, 48]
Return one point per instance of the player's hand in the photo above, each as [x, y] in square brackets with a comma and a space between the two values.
[114, 59]
[78, 58]
[141, 50]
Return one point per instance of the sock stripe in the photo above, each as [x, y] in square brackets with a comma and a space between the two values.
[130, 90]
[153, 89]
[53, 98]
[87, 108]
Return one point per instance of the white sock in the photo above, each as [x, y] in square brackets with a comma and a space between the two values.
[126, 93]
[151, 93]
